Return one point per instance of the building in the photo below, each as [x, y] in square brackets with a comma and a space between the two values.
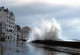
[8, 19]
[18, 32]
[2, 31]
[25, 33]
[15, 32]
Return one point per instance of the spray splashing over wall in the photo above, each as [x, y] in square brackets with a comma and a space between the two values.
[46, 30]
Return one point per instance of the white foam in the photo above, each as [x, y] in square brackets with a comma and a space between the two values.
[46, 30]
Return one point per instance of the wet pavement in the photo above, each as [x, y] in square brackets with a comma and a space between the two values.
[23, 48]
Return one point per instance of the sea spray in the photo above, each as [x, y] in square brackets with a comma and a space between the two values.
[46, 30]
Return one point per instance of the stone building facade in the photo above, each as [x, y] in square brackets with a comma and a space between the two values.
[25, 33]
[18, 32]
[2, 31]
[8, 19]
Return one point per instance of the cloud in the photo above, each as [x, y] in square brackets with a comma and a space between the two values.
[74, 25]
[46, 9]
[43, 9]
[52, 2]
[71, 28]
[63, 2]
[15, 2]
[29, 12]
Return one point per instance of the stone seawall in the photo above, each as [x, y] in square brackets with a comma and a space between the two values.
[58, 43]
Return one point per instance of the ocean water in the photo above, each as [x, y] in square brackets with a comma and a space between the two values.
[23, 48]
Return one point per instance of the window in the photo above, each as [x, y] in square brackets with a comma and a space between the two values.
[8, 37]
[6, 29]
[9, 25]
[9, 21]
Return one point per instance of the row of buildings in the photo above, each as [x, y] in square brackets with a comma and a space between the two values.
[9, 31]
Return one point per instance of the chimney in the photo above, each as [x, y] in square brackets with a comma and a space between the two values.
[11, 13]
[1, 8]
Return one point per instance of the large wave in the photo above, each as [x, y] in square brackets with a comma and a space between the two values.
[47, 30]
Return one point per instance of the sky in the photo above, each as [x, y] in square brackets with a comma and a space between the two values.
[29, 12]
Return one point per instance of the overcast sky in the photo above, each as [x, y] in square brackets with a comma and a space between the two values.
[29, 12]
